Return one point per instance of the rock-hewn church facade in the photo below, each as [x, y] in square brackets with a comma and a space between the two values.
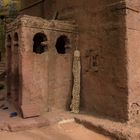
[109, 43]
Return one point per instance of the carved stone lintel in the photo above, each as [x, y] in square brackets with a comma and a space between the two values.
[40, 23]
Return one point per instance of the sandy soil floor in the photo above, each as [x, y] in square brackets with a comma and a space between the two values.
[66, 131]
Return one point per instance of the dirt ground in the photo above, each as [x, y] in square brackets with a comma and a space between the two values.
[59, 131]
[66, 131]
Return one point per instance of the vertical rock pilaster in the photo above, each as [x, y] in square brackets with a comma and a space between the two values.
[76, 84]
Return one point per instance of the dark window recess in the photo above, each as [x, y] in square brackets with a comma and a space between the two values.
[38, 46]
[9, 38]
[9, 41]
[61, 44]
[16, 37]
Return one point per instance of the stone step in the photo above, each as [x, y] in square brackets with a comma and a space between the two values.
[2, 63]
[1, 66]
[1, 70]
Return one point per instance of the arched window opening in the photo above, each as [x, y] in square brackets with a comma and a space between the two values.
[62, 44]
[16, 37]
[40, 44]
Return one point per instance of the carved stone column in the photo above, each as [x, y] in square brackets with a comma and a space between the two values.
[76, 85]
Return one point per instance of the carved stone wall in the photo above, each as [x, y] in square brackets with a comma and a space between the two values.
[102, 36]
[45, 78]
[108, 40]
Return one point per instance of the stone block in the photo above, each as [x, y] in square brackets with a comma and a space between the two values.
[30, 110]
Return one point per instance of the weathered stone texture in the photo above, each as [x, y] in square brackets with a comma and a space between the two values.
[75, 104]
[45, 79]
[108, 42]
[133, 51]
[101, 27]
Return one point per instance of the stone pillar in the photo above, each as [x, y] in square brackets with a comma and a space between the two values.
[76, 85]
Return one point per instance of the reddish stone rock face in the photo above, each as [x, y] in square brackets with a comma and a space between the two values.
[109, 45]
[31, 110]
[39, 56]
